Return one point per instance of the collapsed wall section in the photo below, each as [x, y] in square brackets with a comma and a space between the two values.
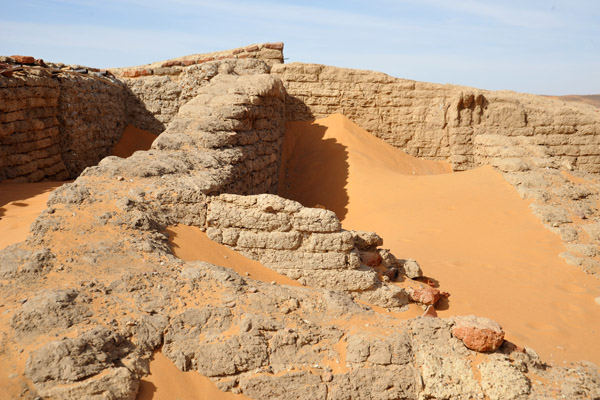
[466, 126]
[157, 98]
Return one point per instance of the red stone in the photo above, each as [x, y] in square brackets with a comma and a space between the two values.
[425, 295]
[170, 64]
[274, 46]
[370, 258]
[250, 49]
[9, 72]
[237, 51]
[187, 63]
[478, 333]
[24, 59]
[132, 73]
[146, 72]
[203, 60]
[245, 56]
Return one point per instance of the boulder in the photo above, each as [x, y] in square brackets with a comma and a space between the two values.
[24, 59]
[478, 333]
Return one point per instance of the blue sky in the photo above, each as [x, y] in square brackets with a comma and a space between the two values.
[543, 47]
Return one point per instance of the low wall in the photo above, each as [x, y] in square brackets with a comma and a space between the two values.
[465, 126]
[56, 120]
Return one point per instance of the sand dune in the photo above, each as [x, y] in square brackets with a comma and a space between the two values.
[133, 139]
[591, 99]
[470, 230]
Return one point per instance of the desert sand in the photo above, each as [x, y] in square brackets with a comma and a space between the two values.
[470, 231]
[591, 99]
[20, 204]
[133, 139]
[166, 382]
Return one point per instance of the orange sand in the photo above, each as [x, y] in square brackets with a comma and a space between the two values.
[20, 204]
[470, 230]
[191, 244]
[133, 139]
[166, 382]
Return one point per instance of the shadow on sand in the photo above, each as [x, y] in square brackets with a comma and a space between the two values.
[310, 162]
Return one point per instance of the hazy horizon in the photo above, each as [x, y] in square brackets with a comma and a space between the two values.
[535, 47]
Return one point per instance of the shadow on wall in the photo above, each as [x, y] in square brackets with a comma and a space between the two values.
[139, 116]
[310, 163]
[296, 109]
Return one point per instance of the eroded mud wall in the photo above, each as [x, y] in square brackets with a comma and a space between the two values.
[466, 126]
[54, 124]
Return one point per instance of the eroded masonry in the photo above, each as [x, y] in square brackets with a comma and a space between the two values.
[124, 295]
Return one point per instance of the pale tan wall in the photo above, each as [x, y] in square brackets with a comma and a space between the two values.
[466, 126]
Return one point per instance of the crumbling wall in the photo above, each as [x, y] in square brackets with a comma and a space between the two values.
[258, 339]
[92, 115]
[228, 139]
[55, 123]
[465, 126]
[156, 98]
[29, 129]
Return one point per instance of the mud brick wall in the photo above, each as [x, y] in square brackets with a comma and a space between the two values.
[465, 126]
[54, 124]
[29, 128]
[156, 99]
[237, 123]
[92, 114]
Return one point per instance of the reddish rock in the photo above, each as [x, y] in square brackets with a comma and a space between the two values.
[131, 73]
[237, 51]
[250, 49]
[4, 66]
[9, 71]
[187, 63]
[244, 56]
[24, 59]
[170, 64]
[145, 72]
[425, 295]
[370, 258]
[274, 46]
[203, 60]
[478, 333]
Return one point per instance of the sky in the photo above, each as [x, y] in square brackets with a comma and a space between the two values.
[533, 46]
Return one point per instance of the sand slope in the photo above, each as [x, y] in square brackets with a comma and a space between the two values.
[469, 230]
[20, 204]
[133, 139]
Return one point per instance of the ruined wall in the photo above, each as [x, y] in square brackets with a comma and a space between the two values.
[269, 53]
[29, 129]
[56, 120]
[55, 123]
[228, 140]
[157, 98]
[465, 126]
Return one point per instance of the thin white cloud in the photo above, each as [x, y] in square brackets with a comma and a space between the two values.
[45, 40]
